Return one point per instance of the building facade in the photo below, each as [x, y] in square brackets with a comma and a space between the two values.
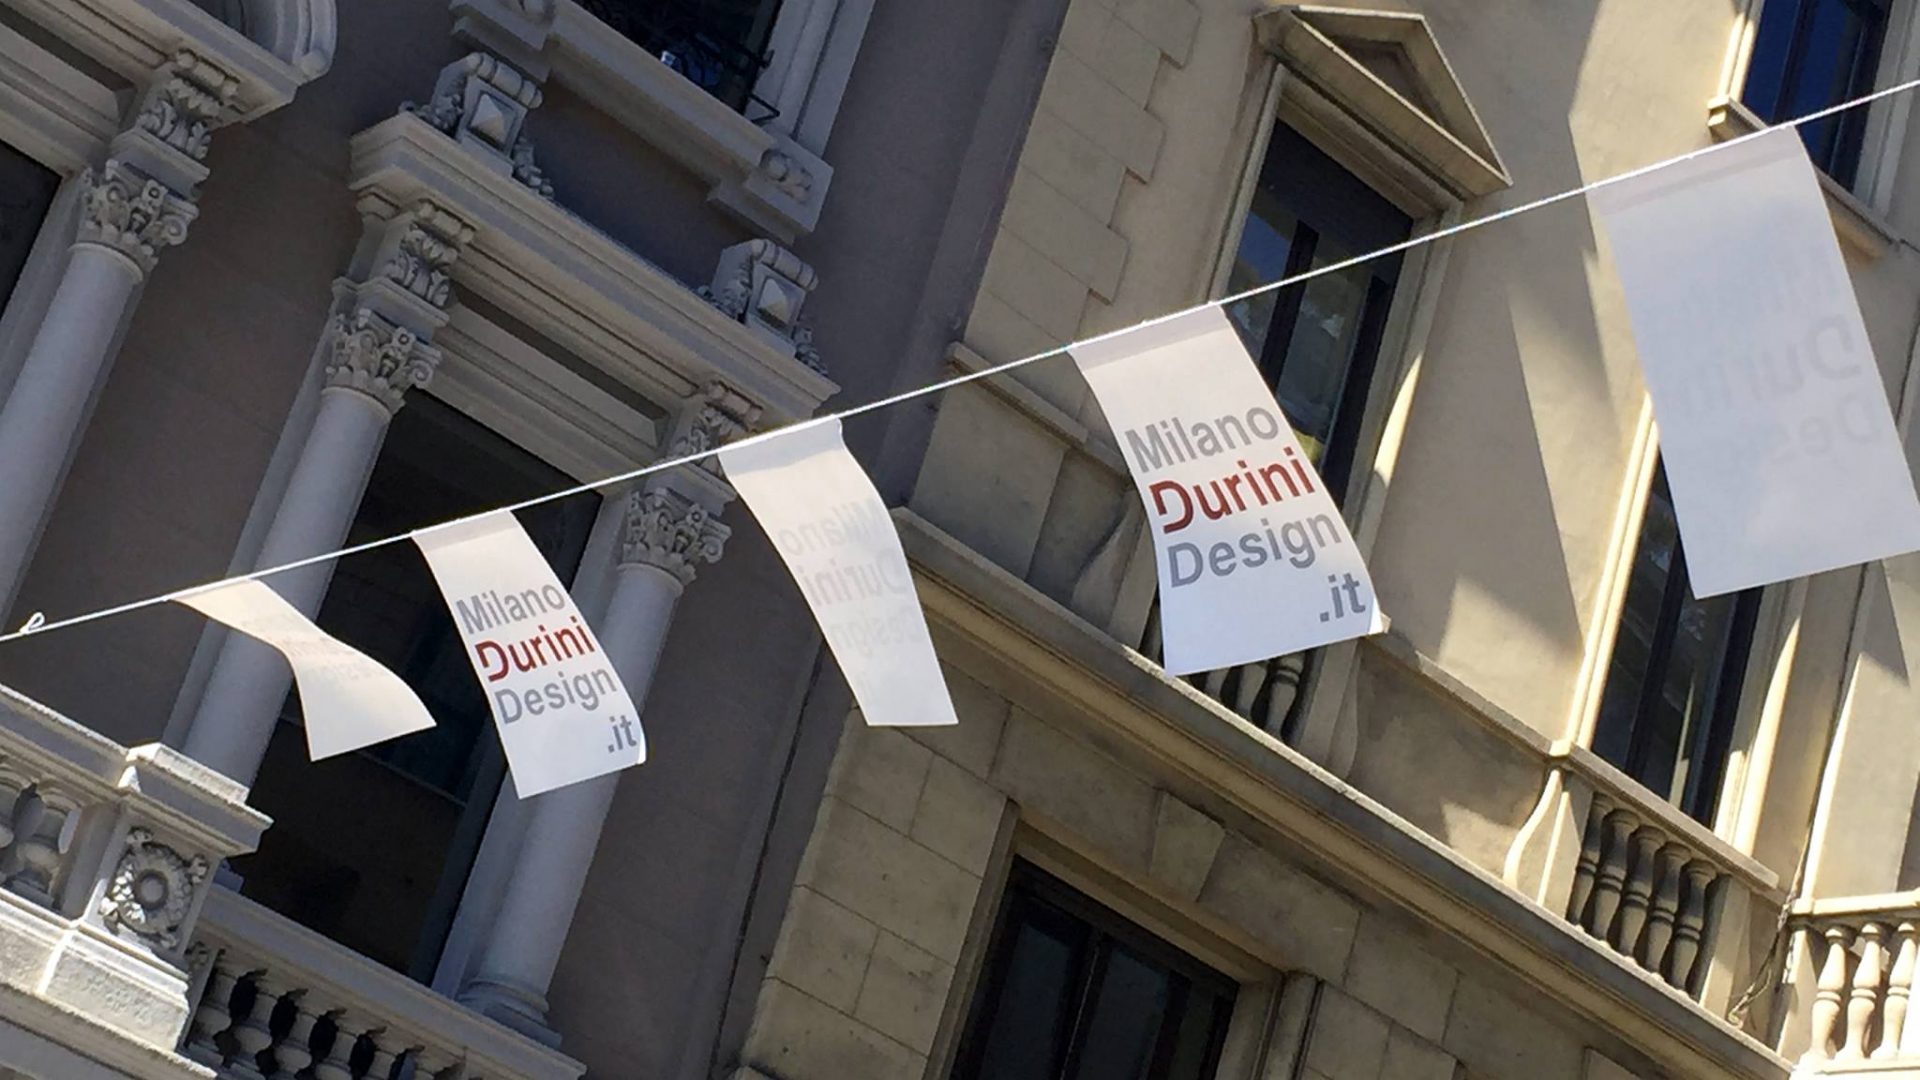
[284, 275]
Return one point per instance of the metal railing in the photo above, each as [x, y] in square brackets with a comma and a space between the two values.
[719, 45]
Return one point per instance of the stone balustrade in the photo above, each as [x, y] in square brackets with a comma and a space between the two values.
[1659, 888]
[1264, 691]
[1857, 958]
[105, 860]
[276, 1000]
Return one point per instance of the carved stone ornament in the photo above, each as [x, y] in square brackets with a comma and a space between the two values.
[132, 214]
[377, 358]
[788, 175]
[672, 533]
[185, 103]
[482, 102]
[421, 263]
[151, 891]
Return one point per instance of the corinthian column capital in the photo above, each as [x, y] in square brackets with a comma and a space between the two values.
[125, 211]
[187, 99]
[378, 358]
[669, 531]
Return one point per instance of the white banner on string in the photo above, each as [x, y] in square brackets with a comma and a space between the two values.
[347, 699]
[562, 712]
[1255, 560]
[1779, 446]
[832, 530]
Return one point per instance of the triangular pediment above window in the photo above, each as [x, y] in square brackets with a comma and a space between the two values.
[1386, 70]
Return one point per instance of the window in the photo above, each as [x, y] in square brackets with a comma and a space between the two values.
[373, 848]
[721, 45]
[26, 192]
[1809, 54]
[1073, 992]
[1668, 707]
[1316, 344]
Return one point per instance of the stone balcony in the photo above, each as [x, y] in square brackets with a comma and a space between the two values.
[1848, 985]
[113, 936]
[275, 999]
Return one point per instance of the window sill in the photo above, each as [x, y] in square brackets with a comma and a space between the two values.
[1859, 226]
[763, 177]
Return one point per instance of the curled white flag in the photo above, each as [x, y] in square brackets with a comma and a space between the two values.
[1255, 560]
[832, 530]
[348, 700]
[562, 712]
[1779, 445]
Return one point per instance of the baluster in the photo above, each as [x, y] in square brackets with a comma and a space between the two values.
[1212, 682]
[1639, 890]
[431, 1063]
[1864, 998]
[253, 1035]
[213, 1016]
[39, 845]
[1689, 926]
[13, 783]
[1613, 873]
[338, 1063]
[1893, 1019]
[295, 1051]
[1826, 996]
[1666, 907]
[1252, 678]
[1589, 862]
[384, 1056]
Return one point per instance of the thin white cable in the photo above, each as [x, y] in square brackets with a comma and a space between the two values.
[38, 623]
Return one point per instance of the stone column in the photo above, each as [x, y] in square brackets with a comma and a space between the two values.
[133, 207]
[375, 348]
[670, 531]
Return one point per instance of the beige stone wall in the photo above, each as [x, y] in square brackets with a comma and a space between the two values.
[873, 972]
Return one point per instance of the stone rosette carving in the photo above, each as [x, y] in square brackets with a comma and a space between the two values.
[382, 360]
[185, 103]
[791, 178]
[672, 533]
[131, 213]
[151, 891]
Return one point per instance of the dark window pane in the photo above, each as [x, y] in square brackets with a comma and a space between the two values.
[1071, 991]
[1667, 709]
[342, 866]
[26, 192]
[720, 45]
[1811, 54]
[1123, 1019]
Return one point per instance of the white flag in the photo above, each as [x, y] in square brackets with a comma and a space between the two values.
[562, 712]
[347, 699]
[833, 532]
[1779, 446]
[1255, 560]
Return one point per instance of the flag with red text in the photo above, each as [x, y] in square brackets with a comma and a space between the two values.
[1254, 558]
[562, 712]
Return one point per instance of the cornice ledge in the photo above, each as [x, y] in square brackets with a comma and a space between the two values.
[761, 176]
[524, 244]
[1138, 704]
[135, 37]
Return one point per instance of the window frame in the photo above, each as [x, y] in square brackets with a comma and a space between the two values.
[1277, 94]
[1029, 880]
[1884, 133]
